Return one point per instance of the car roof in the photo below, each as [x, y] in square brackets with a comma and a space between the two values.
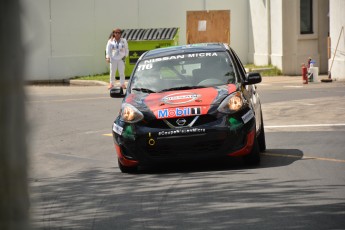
[191, 48]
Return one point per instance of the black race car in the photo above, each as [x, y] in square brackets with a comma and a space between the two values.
[188, 102]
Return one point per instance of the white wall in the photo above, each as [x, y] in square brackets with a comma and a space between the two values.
[277, 33]
[66, 38]
[337, 21]
[259, 42]
[36, 37]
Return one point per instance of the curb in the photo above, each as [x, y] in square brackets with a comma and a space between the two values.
[87, 83]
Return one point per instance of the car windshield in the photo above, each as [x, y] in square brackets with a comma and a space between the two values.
[184, 71]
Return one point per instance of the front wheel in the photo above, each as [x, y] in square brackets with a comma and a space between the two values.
[261, 137]
[253, 158]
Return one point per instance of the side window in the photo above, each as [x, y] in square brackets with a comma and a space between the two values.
[238, 62]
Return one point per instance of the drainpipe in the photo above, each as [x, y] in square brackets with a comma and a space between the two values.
[268, 14]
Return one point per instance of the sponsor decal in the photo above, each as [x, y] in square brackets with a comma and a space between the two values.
[181, 132]
[246, 117]
[179, 112]
[167, 101]
[117, 129]
[180, 98]
[182, 56]
[202, 55]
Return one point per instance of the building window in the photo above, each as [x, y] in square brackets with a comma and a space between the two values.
[306, 16]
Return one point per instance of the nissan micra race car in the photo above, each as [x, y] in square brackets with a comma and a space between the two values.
[186, 103]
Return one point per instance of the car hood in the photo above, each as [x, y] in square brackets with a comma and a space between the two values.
[178, 103]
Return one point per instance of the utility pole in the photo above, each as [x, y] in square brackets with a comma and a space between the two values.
[14, 199]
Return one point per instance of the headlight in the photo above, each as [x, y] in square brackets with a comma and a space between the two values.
[232, 103]
[130, 114]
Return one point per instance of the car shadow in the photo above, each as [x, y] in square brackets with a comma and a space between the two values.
[279, 157]
[269, 159]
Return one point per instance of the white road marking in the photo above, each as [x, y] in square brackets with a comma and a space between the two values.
[300, 126]
[304, 157]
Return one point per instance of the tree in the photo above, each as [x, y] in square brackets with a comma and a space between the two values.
[14, 198]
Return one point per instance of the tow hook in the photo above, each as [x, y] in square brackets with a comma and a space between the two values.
[151, 141]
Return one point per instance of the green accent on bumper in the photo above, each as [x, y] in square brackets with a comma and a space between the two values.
[235, 124]
[128, 133]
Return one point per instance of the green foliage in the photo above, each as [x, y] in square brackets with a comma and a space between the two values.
[267, 70]
[97, 77]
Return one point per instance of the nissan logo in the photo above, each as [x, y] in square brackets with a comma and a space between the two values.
[181, 121]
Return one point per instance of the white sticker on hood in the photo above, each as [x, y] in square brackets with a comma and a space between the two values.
[180, 98]
[246, 117]
[117, 129]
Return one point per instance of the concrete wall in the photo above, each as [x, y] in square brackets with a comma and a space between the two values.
[337, 21]
[66, 38]
[324, 29]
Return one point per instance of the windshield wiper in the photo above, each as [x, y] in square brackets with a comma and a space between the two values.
[183, 87]
[143, 90]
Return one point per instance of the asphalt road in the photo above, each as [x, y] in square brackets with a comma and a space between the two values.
[75, 182]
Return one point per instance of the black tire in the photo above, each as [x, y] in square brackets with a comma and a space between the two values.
[261, 137]
[126, 169]
[253, 158]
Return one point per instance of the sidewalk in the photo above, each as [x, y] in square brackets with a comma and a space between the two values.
[290, 79]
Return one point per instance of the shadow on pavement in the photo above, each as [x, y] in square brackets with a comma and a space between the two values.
[107, 199]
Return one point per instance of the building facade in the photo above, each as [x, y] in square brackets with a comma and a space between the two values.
[66, 38]
[287, 33]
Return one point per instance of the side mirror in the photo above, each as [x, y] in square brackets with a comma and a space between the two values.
[252, 78]
[116, 92]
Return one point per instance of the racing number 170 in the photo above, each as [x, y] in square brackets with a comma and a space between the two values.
[143, 67]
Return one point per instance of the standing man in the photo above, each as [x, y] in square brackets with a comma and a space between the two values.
[116, 53]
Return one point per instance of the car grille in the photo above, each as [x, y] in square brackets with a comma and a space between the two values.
[196, 149]
[164, 123]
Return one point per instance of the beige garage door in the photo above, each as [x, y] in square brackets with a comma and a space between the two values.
[208, 26]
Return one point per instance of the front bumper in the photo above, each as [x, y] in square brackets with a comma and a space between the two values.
[144, 145]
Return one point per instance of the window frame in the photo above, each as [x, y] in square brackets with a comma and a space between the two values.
[315, 25]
